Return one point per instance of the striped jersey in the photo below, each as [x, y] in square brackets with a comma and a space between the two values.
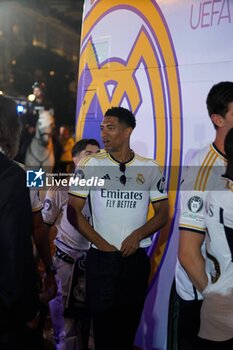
[217, 308]
[120, 208]
[54, 212]
[203, 174]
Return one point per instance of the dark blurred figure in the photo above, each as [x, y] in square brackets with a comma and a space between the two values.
[18, 280]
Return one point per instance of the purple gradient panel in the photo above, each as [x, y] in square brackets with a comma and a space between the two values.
[92, 125]
[84, 82]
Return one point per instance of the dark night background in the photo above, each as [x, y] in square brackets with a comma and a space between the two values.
[39, 41]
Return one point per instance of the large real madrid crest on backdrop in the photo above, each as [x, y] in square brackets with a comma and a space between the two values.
[127, 58]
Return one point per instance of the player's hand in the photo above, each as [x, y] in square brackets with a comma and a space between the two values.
[130, 244]
[106, 247]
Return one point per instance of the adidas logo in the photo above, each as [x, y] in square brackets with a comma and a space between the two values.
[106, 177]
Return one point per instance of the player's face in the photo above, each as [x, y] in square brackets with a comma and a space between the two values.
[37, 92]
[114, 134]
[90, 149]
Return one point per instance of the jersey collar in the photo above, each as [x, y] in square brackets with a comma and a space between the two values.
[219, 152]
[225, 177]
[117, 161]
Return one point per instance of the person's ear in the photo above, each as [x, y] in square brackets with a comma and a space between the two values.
[75, 160]
[218, 120]
[128, 132]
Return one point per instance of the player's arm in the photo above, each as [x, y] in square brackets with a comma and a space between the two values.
[41, 240]
[78, 221]
[191, 258]
[192, 227]
[158, 220]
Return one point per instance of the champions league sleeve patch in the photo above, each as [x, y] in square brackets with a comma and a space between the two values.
[195, 204]
[161, 185]
[47, 204]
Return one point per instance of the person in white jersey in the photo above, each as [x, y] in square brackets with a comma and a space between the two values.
[203, 173]
[215, 280]
[117, 265]
[70, 246]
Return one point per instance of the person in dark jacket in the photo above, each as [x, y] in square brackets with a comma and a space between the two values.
[18, 280]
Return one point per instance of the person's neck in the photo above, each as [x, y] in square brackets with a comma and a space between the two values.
[123, 156]
[219, 142]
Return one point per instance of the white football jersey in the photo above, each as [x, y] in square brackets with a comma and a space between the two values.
[203, 174]
[54, 212]
[217, 309]
[35, 200]
[117, 208]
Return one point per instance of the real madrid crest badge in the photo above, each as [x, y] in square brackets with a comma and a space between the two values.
[140, 179]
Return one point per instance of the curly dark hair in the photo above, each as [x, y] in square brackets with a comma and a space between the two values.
[9, 127]
[124, 116]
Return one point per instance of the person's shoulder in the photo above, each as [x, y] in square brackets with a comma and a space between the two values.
[93, 159]
[4, 161]
[56, 198]
[9, 164]
[21, 165]
[11, 171]
[53, 190]
[58, 193]
[146, 161]
[201, 155]
[20, 168]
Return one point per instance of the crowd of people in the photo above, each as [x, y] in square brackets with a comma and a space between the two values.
[95, 285]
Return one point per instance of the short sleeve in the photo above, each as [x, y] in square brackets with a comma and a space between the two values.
[79, 183]
[51, 206]
[35, 200]
[158, 184]
[192, 203]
